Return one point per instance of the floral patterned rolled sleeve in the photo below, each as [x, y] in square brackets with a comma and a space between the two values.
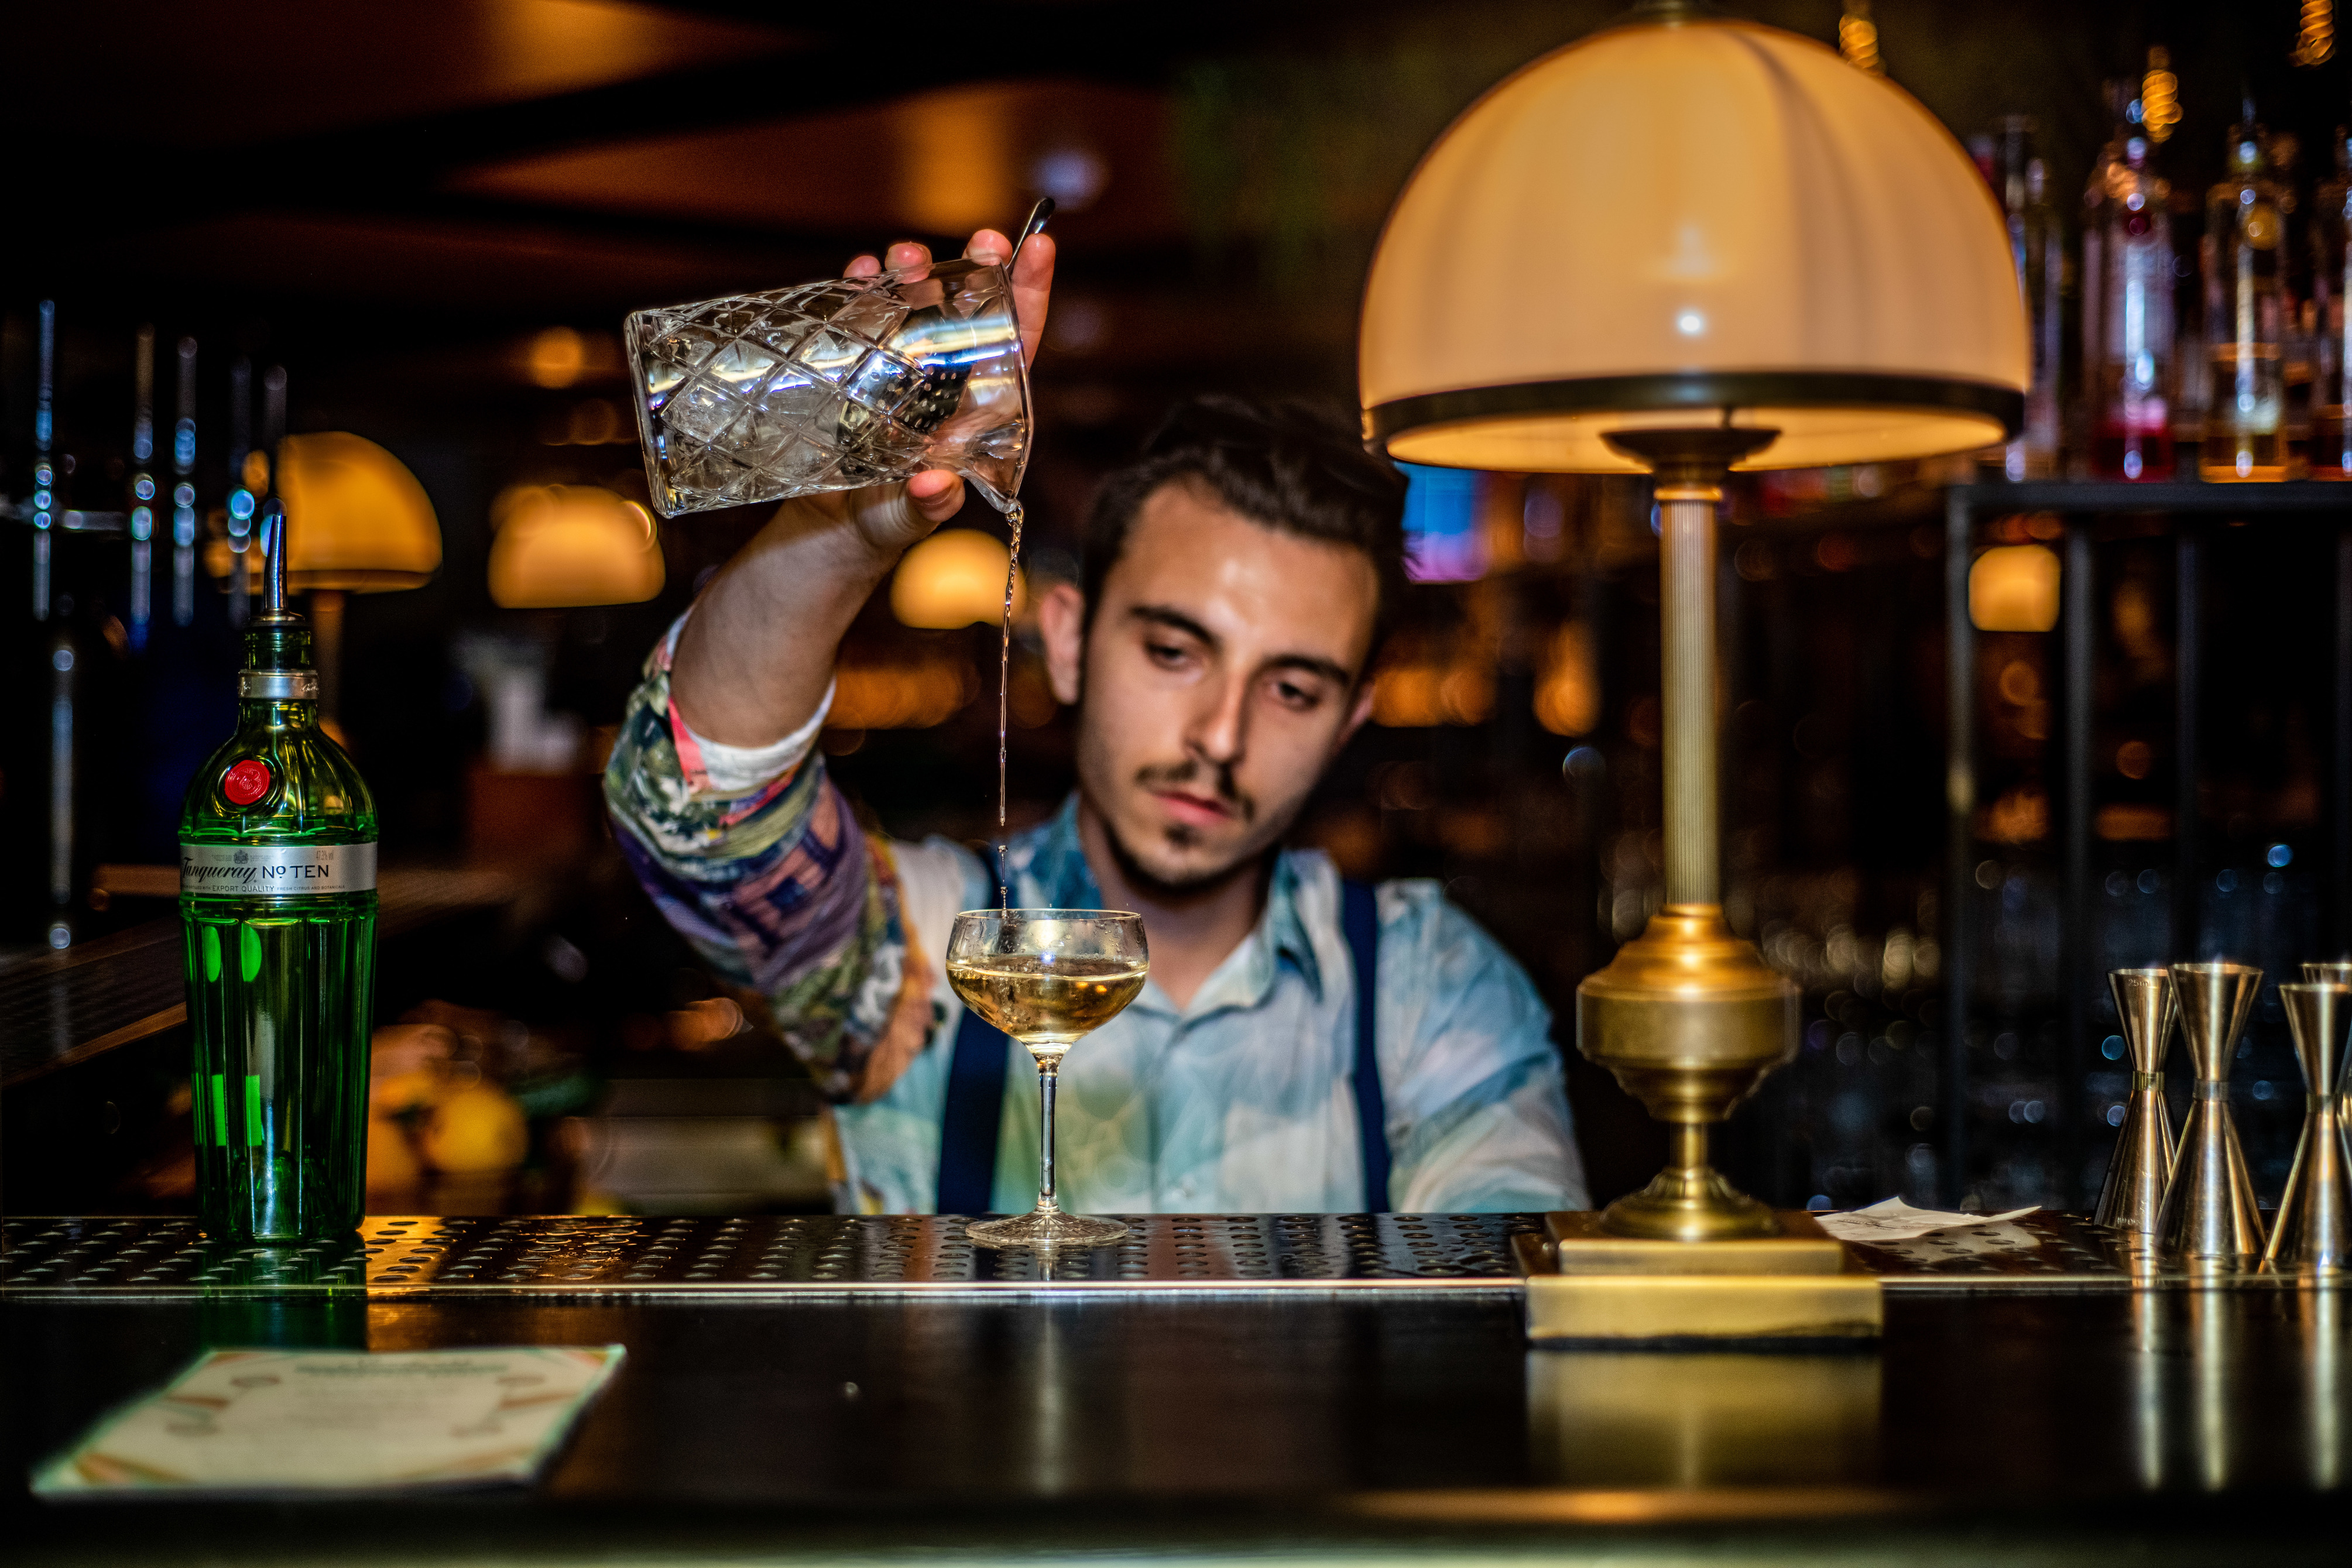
[779, 889]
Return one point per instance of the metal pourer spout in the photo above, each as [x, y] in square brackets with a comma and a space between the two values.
[273, 559]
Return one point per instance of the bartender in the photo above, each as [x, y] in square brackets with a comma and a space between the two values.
[1302, 1044]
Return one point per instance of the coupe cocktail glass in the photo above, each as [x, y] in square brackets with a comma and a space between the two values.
[1047, 978]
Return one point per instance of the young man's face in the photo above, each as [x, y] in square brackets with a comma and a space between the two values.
[1219, 679]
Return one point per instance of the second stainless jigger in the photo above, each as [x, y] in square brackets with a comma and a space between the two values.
[2336, 972]
[2210, 1213]
[2313, 1229]
[2133, 1197]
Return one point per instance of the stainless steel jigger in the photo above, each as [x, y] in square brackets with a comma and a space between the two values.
[2336, 972]
[2133, 1197]
[2210, 1213]
[2313, 1228]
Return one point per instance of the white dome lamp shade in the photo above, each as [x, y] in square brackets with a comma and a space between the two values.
[1691, 220]
[1686, 243]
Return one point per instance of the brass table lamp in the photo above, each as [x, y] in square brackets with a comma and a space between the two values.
[1689, 244]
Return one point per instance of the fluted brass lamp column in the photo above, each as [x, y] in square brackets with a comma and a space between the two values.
[1688, 1016]
[1689, 244]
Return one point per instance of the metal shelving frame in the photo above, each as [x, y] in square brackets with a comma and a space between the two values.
[2078, 504]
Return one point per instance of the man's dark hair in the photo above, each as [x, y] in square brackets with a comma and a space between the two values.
[1291, 466]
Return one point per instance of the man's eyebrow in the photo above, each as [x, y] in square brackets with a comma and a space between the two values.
[1314, 665]
[1174, 619]
[1177, 621]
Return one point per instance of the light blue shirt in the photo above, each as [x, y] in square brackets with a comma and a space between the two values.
[1240, 1102]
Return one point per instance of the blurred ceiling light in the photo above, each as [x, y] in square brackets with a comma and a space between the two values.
[2014, 587]
[955, 160]
[1073, 176]
[355, 518]
[557, 356]
[2314, 43]
[1408, 696]
[902, 696]
[561, 546]
[1419, 696]
[1467, 691]
[953, 579]
[2159, 94]
[1858, 37]
[1568, 689]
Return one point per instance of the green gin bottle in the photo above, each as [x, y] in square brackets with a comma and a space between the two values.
[278, 899]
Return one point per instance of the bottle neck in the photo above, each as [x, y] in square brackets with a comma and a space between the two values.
[275, 713]
[278, 687]
[278, 643]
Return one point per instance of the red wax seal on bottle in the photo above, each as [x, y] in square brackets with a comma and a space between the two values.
[246, 781]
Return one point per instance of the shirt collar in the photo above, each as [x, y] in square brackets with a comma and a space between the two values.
[1048, 866]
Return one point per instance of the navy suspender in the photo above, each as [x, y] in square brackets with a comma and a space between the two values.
[975, 1105]
[1360, 918]
[975, 1112]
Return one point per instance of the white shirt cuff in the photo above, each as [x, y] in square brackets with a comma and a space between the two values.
[741, 770]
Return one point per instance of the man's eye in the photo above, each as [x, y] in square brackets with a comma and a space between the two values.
[1164, 653]
[1292, 694]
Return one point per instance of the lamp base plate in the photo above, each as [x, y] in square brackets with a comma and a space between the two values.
[1584, 1285]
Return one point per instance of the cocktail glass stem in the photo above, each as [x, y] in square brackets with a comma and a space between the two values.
[1045, 1227]
[1047, 1080]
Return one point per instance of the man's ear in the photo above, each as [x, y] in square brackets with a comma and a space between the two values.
[1061, 624]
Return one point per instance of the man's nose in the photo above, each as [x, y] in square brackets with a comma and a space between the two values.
[1220, 725]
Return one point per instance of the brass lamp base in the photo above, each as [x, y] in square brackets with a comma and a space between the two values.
[1689, 1203]
[1689, 1018]
[1790, 1283]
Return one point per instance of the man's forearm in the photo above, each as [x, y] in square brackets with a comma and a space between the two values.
[757, 654]
[754, 658]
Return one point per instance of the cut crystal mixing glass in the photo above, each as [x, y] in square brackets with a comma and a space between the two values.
[833, 385]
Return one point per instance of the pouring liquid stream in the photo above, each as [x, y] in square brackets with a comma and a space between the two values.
[1013, 514]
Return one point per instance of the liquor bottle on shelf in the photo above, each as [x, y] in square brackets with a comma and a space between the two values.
[2192, 397]
[237, 512]
[183, 492]
[141, 510]
[277, 901]
[2245, 236]
[2331, 224]
[2038, 252]
[43, 511]
[2132, 376]
[2123, 111]
[2282, 159]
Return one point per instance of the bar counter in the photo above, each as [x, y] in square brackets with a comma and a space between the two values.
[1336, 1387]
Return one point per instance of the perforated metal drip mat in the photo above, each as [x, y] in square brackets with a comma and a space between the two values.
[769, 1255]
[925, 1254]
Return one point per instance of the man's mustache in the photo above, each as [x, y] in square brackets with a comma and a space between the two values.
[1198, 778]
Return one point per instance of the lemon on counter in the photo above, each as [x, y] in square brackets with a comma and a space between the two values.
[391, 1162]
[475, 1131]
[415, 1091]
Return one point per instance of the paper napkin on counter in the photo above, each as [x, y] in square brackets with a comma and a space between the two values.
[278, 1421]
[1895, 1220]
